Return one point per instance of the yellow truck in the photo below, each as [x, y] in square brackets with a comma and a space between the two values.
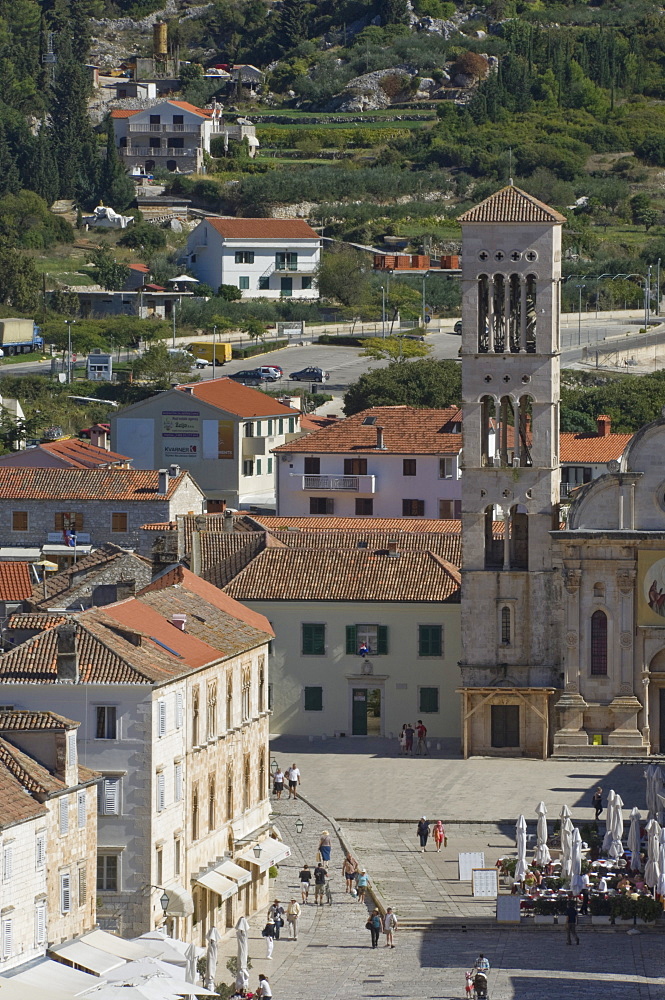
[203, 351]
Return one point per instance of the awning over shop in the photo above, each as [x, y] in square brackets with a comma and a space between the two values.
[48, 976]
[66, 550]
[10, 553]
[224, 887]
[272, 852]
[114, 945]
[14, 989]
[87, 957]
[230, 870]
[181, 903]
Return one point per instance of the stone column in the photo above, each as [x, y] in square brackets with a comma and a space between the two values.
[571, 705]
[626, 705]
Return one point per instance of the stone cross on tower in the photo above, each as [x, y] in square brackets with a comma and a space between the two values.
[511, 277]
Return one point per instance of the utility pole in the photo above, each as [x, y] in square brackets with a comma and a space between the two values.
[658, 287]
[214, 349]
[69, 349]
[174, 308]
[383, 311]
[579, 315]
[647, 297]
[424, 280]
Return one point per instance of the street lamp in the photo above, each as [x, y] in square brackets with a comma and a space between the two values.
[383, 311]
[273, 763]
[257, 850]
[579, 315]
[299, 826]
[214, 348]
[69, 349]
[164, 901]
[424, 280]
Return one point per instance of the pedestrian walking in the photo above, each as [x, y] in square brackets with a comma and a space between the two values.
[421, 733]
[328, 890]
[571, 921]
[597, 801]
[409, 733]
[401, 739]
[319, 884]
[264, 989]
[362, 882]
[325, 847]
[584, 908]
[278, 783]
[268, 933]
[373, 925]
[439, 835]
[293, 775]
[423, 833]
[276, 914]
[389, 927]
[292, 918]
[349, 871]
[305, 878]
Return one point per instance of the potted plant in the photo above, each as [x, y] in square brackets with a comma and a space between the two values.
[601, 910]
[624, 909]
[544, 910]
[648, 909]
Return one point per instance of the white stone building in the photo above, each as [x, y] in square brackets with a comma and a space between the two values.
[264, 258]
[170, 690]
[584, 457]
[222, 432]
[387, 461]
[171, 135]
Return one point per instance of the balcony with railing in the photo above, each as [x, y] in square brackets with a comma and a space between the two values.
[162, 127]
[153, 151]
[347, 484]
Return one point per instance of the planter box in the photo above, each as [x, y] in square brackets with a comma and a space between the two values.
[601, 918]
[624, 922]
[539, 918]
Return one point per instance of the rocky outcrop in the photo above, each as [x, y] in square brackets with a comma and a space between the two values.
[365, 93]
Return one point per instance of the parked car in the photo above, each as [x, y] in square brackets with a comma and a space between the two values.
[310, 374]
[249, 376]
[271, 372]
[458, 328]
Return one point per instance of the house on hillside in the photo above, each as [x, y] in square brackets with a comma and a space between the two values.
[170, 689]
[388, 461]
[222, 432]
[170, 135]
[264, 258]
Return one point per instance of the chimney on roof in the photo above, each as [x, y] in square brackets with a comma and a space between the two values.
[163, 482]
[67, 660]
[379, 438]
[392, 548]
[228, 524]
[604, 425]
[174, 470]
[125, 589]
[179, 621]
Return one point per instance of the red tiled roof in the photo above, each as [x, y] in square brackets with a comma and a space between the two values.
[26, 721]
[360, 524]
[160, 526]
[35, 777]
[16, 583]
[75, 453]
[17, 807]
[58, 584]
[592, 448]
[232, 397]
[143, 268]
[263, 229]
[36, 621]
[185, 105]
[285, 574]
[85, 484]
[511, 204]
[310, 422]
[125, 112]
[407, 430]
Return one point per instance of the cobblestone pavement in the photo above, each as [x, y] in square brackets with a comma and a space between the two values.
[332, 959]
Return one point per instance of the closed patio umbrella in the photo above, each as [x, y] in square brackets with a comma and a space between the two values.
[616, 847]
[566, 845]
[190, 968]
[576, 883]
[634, 838]
[542, 855]
[660, 887]
[213, 938]
[609, 815]
[520, 837]
[242, 934]
[652, 870]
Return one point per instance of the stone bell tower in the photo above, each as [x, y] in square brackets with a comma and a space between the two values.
[510, 482]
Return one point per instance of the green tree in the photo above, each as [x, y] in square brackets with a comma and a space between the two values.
[19, 281]
[45, 180]
[71, 130]
[648, 217]
[341, 275]
[393, 12]
[158, 366]
[639, 203]
[229, 293]
[115, 188]
[403, 299]
[254, 328]
[143, 236]
[422, 383]
[292, 22]
[397, 349]
[108, 273]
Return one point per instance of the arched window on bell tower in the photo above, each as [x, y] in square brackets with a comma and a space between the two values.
[483, 313]
[499, 314]
[493, 541]
[519, 538]
[505, 625]
[487, 430]
[531, 314]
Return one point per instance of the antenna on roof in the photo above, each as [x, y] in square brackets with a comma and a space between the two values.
[510, 166]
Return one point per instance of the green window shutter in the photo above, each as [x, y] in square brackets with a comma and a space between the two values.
[313, 699]
[351, 641]
[429, 640]
[313, 639]
[428, 700]
[382, 640]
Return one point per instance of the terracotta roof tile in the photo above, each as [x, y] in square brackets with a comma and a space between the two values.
[511, 204]
[233, 397]
[285, 574]
[125, 112]
[592, 447]
[73, 452]
[407, 430]
[25, 720]
[39, 622]
[17, 807]
[263, 229]
[60, 583]
[16, 581]
[84, 484]
[160, 526]
[361, 524]
[33, 776]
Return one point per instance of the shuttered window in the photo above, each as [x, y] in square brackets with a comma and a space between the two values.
[177, 781]
[109, 797]
[178, 710]
[119, 522]
[428, 700]
[40, 923]
[107, 873]
[430, 640]
[313, 699]
[71, 749]
[65, 893]
[161, 711]
[7, 943]
[80, 809]
[7, 863]
[83, 885]
[64, 816]
[313, 639]
[69, 521]
[161, 791]
[19, 520]
[375, 637]
[40, 851]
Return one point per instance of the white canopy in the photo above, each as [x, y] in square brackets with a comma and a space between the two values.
[181, 903]
[231, 870]
[49, 975]
[92, 959]
[114, 945]
[213, 880]
[272, 852]
[182, 278]
[13, 989]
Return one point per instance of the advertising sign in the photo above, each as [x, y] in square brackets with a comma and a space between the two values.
[180, 422]
[225, 438]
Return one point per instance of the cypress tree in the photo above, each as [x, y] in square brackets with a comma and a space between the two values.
[115, 188]
[44, 174]
[292, 23]
[393, 12]
[71, 131]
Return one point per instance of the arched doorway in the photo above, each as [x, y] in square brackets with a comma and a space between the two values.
[657, 702]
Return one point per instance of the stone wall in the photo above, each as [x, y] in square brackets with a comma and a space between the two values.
[74, 852]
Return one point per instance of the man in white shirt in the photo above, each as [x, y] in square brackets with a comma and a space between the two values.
[293, 774]
[602, 884]
[585, 894]
[263, 989]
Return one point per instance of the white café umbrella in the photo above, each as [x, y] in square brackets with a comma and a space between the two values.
[520, 837]
[150, 990]
[634, 838]
[652, 871]
[242, 934]
[660, 887]
[651, 780]
[542, 855]
[566, 845]
[609, 815]
[616, 847]
[145, 967]
[190, 968]
[213, 938]
[576, 884]
[182, 279]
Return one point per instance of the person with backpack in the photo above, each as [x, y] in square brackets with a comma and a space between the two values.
[373, 925]
[268, 933]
